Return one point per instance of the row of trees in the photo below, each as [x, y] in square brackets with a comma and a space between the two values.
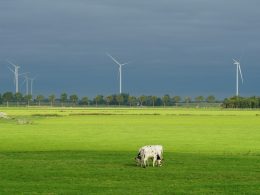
[125, 99]
[20, 99]
[242, 102]
[120, 99]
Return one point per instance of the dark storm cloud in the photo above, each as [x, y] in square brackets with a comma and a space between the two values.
[177, 47]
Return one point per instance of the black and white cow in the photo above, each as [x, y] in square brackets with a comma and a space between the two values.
[154, 152]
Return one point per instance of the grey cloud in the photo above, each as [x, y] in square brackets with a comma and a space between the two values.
[180, 46]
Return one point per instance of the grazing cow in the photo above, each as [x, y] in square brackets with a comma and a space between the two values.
[157, 148]
[153, 152]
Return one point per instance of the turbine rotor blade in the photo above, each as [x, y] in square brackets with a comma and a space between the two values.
[240, 73]
[113, 59]
[25, 73]
[26, 76]
[14, 65]
[11, 69]
[125, 63]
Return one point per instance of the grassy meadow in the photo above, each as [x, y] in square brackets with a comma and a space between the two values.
[92, 150]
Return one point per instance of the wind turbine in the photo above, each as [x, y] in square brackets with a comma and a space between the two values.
[120, 71]
[26, 79]
[237, 63]
[16, 75]
[32, 79]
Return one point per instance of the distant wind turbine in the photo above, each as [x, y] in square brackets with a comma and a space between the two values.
[237, 63]
[16, 75]
[27, 84]
[120, 71]
[32, 80]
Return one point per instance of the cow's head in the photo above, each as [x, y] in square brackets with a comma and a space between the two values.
[138, 159]
[159, 161]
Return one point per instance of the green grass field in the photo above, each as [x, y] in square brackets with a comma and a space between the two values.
[91, 151]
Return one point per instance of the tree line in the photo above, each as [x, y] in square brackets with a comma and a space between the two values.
[241, 102]
[111, 100]
[9, 98]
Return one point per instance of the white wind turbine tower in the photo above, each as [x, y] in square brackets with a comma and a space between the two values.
[32, 80]
[16, 75]
[27, 83]
[237, 63]
[120, 71]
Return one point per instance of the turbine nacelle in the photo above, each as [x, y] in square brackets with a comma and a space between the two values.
[236, 62]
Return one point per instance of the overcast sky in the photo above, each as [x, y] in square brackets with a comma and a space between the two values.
[176, 47]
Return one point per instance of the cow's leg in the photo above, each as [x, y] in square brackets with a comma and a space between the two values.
[144, 162]
[143, 159]
[154, 159]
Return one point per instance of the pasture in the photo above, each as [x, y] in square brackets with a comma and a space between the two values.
[91, 151]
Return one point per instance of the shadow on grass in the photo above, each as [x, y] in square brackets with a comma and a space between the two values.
[86, 172]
